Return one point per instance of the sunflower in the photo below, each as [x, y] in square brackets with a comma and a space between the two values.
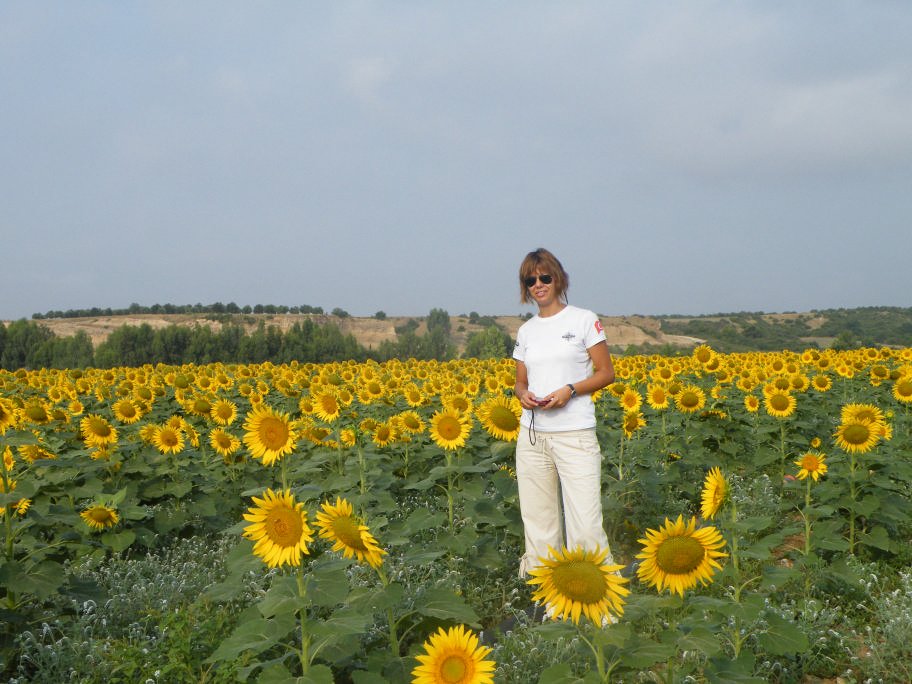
[633, 421]
[224, 442]
[223, 412]
[630, 400]
[821, 383]
[347, 437]
[751, 403]
[126, 411]
[449, 429]
[678, 555]
[657, 397]
[411, 422]
[858, 436]
[454, 657]
[279, 528]
[100, 517]
[96, 431]
[337, 524]
[384, 434]
[715, 489]
[812, 464]
[780, 403]
[269, 435]
[499, 416]
[855, 412]
[690, 399]
[326, 406]
[902, 390]
[578, 582]
[168, 439]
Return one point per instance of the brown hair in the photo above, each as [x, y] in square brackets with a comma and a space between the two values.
[544, 262]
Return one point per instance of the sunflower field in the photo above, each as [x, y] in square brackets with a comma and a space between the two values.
[358, 522]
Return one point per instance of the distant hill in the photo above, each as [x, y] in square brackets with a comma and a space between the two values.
[741, 331]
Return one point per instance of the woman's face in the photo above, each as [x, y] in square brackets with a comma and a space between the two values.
[544, 294]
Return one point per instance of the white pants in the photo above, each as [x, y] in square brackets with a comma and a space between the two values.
[561, 467]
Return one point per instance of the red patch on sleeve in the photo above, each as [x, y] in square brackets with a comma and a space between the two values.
[598, 326]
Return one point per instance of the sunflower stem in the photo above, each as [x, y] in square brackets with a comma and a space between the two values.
[621, 459]
[393, 635]
[852, 495]
[304, 655]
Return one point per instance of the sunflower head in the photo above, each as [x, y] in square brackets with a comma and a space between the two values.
[580, 582]
[100, 517]
[811, 464]
[278, 528]
[453, 656]
[678, 555]
[715, 491]
[338, 524]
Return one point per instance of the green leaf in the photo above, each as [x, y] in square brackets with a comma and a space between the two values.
[486, 511]
[282, 598]
[558, 674]
[702, 640]
[255, 635]
[118, 541]
[722, 670]
[777, 576]
[554, 630]
[276, 673]
[782, 637]
[317, 674]
[363, 677]
[446, 605]
[878, 538]
[641, 653]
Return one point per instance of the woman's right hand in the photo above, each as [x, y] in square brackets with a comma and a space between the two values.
[528, 400]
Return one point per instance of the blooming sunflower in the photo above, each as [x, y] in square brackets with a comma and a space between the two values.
[411, 422]
[902, 390]
[269, 435]
[168, 439]
[337, 523]
[384, 434]
[780, 403]
[326, 406]
[690, 399]
[859, 436]
[855, 412]
[821, 383]
[751, 403]
[100, 517]
[224, 442]
[811, 464]
[454, 657]
[449, 429]
[715, 489]
[657, 397]
[678, 555]
[630, 400]
[279, 528]
[499, 416]
[223, 412]
[126, 411]
[580, 582]
[96, 431]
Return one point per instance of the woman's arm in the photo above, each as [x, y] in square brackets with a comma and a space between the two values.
[521, 388]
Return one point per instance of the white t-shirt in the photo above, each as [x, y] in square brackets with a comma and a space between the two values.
[555, 351]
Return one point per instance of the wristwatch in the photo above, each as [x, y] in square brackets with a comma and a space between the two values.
[572, 390]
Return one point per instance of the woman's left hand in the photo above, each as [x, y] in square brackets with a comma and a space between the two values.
[558, 398]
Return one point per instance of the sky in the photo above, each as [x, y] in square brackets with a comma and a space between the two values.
[678, 157]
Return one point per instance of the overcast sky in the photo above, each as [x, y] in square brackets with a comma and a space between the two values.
[678, 157]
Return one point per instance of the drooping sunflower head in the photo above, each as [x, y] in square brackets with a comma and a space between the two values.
[715, 490]
[579, 582]
[453, 656]
[338, 524]
[269, 434]
[632, 421]
[678, 555]
[811, 464]
[278, 528]
[499, 416]
[449, 429]
[100, 517]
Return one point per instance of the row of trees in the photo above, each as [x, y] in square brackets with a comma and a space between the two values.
[216, 308]
[26, 344]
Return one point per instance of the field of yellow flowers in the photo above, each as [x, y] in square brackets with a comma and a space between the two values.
[367, 526]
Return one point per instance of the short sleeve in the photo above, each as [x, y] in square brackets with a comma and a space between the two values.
[595, 333]
[519, 349]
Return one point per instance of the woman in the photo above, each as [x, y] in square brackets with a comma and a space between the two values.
[558, 460]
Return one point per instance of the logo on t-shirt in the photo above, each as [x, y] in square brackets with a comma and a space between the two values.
[569, 336]
[598, 326]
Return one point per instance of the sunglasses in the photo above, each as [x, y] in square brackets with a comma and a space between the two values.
[544, 278]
